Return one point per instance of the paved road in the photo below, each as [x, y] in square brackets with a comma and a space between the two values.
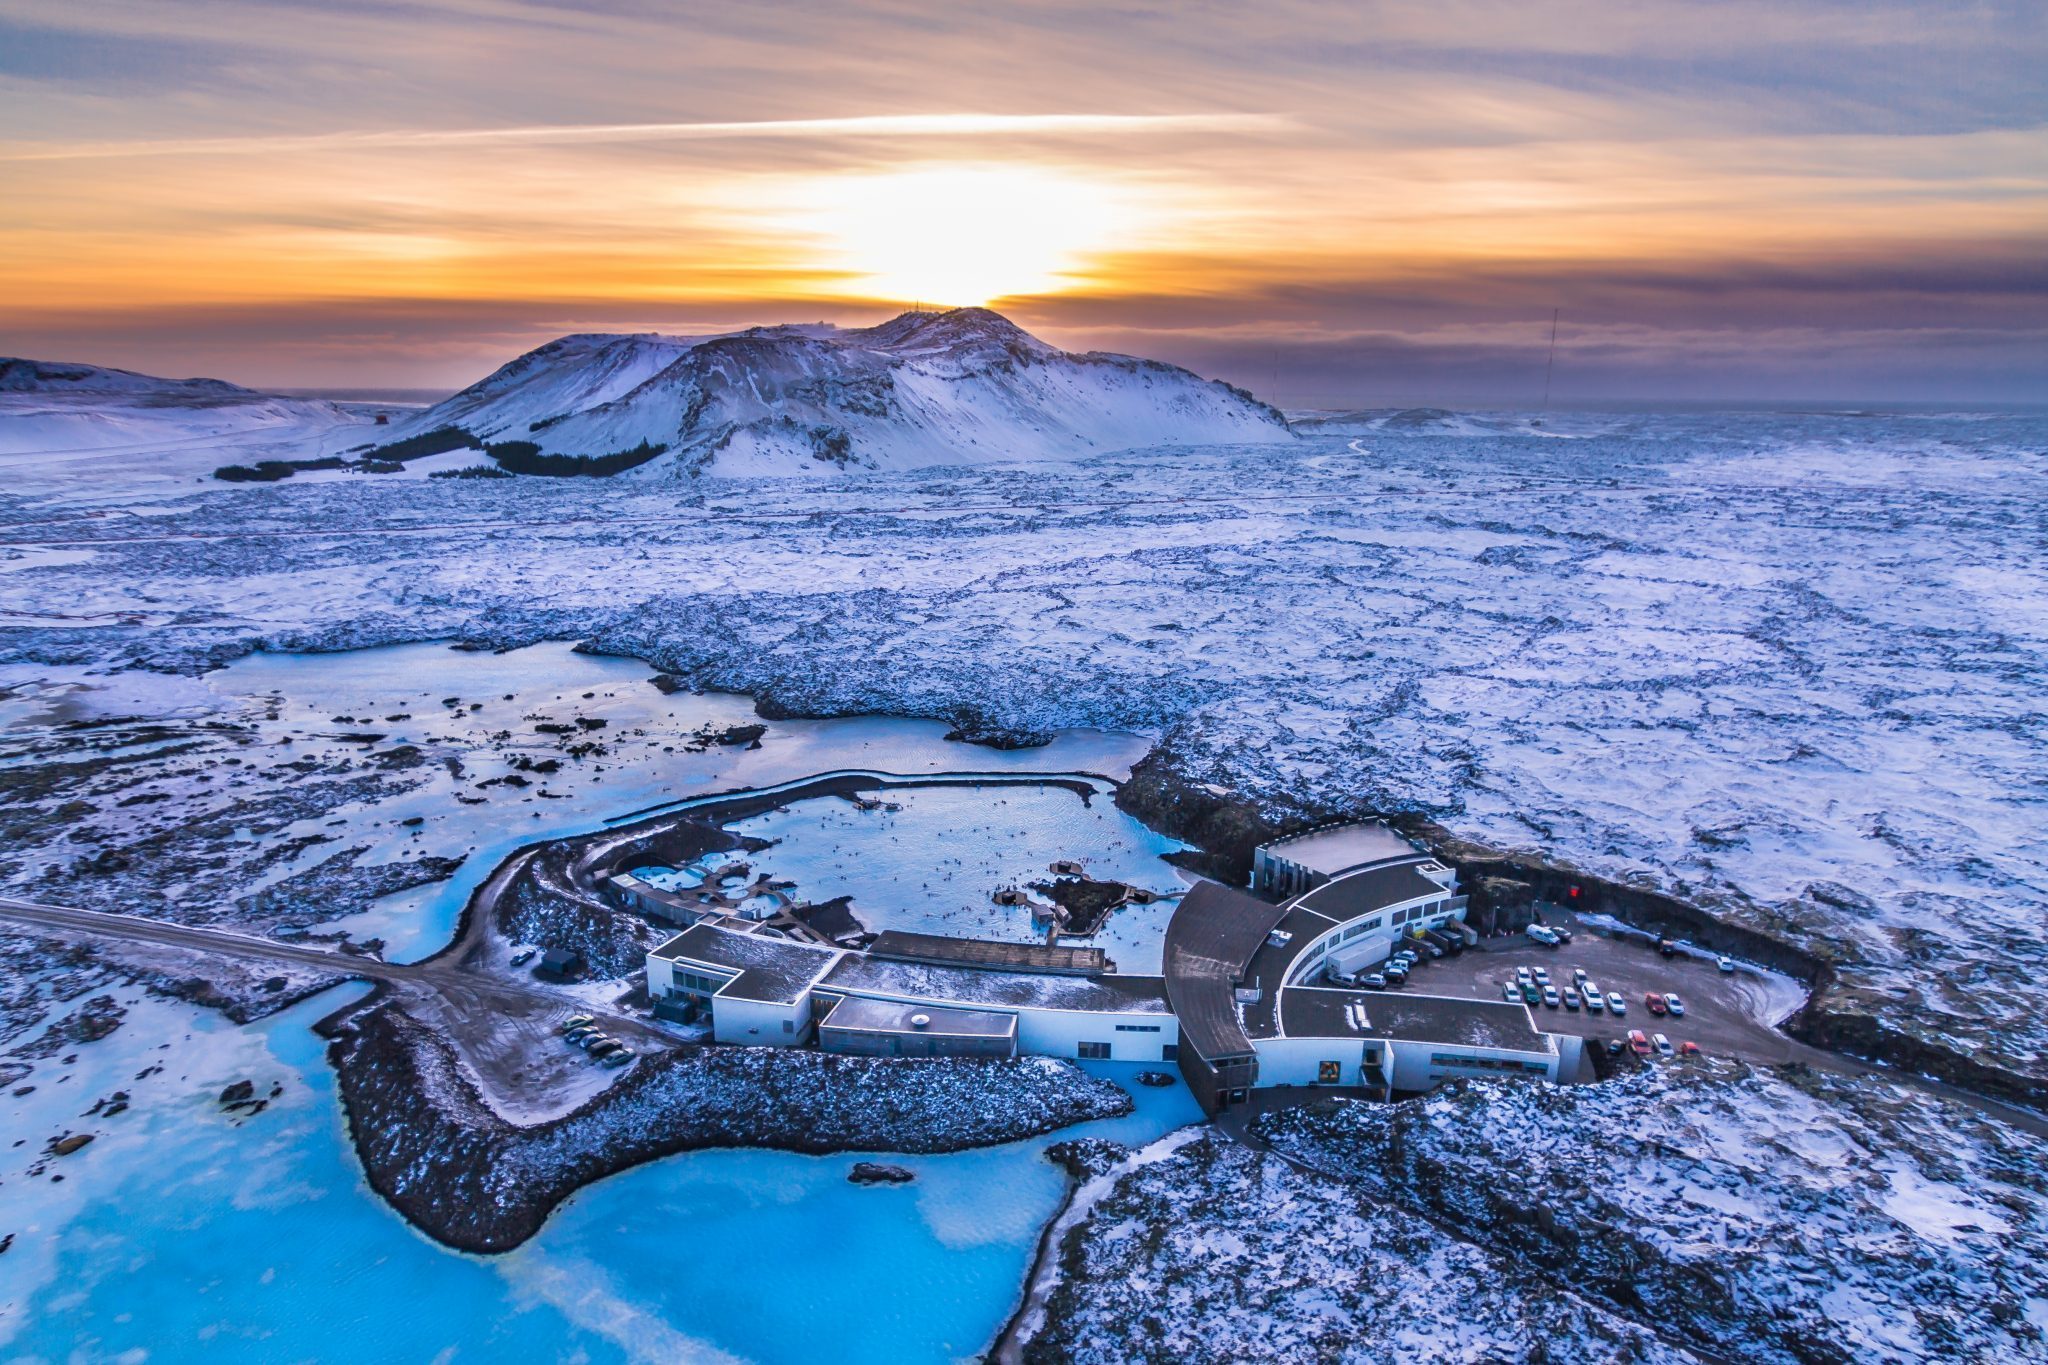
[502, 1027]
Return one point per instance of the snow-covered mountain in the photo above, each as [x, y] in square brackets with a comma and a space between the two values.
[56, 377]
[59, 420]
[959, 387]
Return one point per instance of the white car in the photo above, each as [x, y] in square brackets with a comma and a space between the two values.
[1550, 996]
[1542, 977]
[1726, 964]
[1615, 1004]
[1511, 994]
[1593, 1002]
[1675, 1005]
[1522, 974]
[1661, 1043]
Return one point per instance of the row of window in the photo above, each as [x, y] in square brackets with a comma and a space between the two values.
[703, 985]
[1488, 1063]
[1099, 1052]
[1137, 1028]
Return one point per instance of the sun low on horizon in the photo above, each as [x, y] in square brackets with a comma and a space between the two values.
[957, 235]
[1325, 203]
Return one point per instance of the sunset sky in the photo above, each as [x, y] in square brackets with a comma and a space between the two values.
[1331, 204]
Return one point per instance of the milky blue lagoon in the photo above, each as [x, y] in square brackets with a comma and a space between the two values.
[262, 1242]
[183, 1229]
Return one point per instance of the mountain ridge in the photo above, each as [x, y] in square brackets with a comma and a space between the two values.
[962, 386]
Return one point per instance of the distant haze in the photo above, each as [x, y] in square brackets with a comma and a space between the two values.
[1332, 205]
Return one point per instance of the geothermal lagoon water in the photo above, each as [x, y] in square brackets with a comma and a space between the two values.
[183, 1228]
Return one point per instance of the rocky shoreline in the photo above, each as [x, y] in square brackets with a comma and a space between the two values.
[471, 1180]
[1768, 1214]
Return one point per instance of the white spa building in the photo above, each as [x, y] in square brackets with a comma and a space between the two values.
[1248, 998]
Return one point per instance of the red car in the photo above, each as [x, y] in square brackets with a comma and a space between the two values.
[1639, 1042]
[1653, 1002]
[1688, 1049]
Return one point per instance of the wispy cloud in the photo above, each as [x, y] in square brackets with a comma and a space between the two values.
[871, 126]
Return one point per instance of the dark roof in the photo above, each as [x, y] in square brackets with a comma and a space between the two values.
[1272, 962]
[777, 970]
[1313, 1012]
[1361, 893]
[888, 1016]
[981, 952]
[977, 986]
[1211, 938]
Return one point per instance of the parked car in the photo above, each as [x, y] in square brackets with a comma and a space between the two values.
[578, 1034]
[1615, 1047]
[1726, 964]
[605, 1048]
[621, 1057]
[1578, 974]
[1653, 1002]
[1373, 981]
[1531, 995]
[1571, 998]
[577, 1021]
[1523, 974]
[1563, 934]
[1638, 1043]
[1661, 1043]
[1667, 947]
[593, 1040]
[523, 956]
[1550, 996]
[1688, 1048]
[1589, 988]
[1541, 934]
[1594, 1004]
[1675, 1005]
[1615, 1004]
[1511, 993]
[1542, 976]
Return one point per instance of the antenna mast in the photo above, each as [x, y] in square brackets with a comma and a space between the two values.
[1550, 363]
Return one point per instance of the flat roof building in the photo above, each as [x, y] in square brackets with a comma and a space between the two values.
[886, 1028]
[1290, 866]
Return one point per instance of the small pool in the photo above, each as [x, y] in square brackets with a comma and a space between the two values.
[930, 859]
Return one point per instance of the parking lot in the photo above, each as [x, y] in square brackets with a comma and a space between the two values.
[1724, 1013]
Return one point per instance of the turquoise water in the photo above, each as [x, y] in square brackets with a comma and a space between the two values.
[180, 1231]
[933, 864]
[262, 1242]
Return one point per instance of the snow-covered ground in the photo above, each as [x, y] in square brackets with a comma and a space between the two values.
[119, 438]
[1791, 660]
[1691, 1211]
[1789, 665]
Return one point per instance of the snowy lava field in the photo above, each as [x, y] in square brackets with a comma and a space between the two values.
[1788, 667]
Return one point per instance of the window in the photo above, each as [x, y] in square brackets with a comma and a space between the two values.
[1137, 1028]
[1372, 1056]
[1329, 1073]
[1094, 1052]
[789, 1026]
[1169, 1052]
